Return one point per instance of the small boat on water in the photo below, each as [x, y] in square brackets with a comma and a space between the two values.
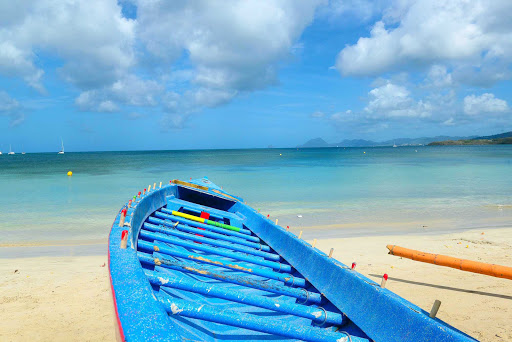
[11, 153]
[191, 262]
[62, 147]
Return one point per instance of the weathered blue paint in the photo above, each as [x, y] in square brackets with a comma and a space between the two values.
[168, 224]
[216, 251]
[380, 313]
[217, 243]
[288, 279]
[302, 295]
[239, 305]
[190, 223]
[316, 314]
[184, 308]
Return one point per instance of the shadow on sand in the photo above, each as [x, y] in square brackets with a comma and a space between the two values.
[444, 287]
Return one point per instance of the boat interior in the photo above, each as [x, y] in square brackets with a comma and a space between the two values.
[200, 265]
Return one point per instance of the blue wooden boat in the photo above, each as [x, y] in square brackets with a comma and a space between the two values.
[191, 262]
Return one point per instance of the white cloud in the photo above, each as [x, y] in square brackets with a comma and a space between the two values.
[91, 37]
[129, 90]
[438, 77]
[484, 104]
[202, 53]
[107, 106]
[11, 108]
[449, 122]
[233, 46]
[318, 114]
[468, 34]
[394, 101]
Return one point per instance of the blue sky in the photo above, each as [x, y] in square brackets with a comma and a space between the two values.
[130, 75]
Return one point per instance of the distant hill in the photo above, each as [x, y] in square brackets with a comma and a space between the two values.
[319, 142]
[496, 136]
[497, 139]
[500, 141]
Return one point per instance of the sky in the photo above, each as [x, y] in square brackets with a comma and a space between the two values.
[157, 74]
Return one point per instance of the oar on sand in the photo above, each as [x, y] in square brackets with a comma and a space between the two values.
[448, 261]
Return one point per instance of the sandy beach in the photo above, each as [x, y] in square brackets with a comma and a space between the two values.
[63, 298]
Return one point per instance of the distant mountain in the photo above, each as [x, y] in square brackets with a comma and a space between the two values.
[319, 142]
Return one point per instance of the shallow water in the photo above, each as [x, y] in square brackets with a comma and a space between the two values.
[337, 191]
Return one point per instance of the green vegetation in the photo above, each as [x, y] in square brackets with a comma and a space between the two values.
[472, 142]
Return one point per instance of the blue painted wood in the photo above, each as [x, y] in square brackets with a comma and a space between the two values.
[317, 314]
[169, 224]
[380, 313]
[184, 308]
[286, 278]
[145, 293]
[206, 226]
[213, 242]
[302, 295]
[216, 251]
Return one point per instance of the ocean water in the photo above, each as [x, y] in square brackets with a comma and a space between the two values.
[333, 191]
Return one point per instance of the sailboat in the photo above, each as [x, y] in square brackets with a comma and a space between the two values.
[22, 150]
[394, 145]
[62, 148]
[10, 151]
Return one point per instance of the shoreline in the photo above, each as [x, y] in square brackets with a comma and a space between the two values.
[91, 247]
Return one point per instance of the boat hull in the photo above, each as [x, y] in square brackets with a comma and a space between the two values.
[355, 304]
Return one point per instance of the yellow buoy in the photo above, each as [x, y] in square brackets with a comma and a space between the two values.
[70, 173]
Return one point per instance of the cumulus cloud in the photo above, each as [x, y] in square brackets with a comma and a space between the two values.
[91, 37]
[471, 35]
[439, 77]
[11, 108]
[179, 55]
[234, 46]
[394, 101]
[484, 104]
[128, 90]
[391, 103]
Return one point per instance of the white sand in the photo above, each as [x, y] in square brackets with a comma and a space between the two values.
[479, 305]
[56, 299]
[68, 298]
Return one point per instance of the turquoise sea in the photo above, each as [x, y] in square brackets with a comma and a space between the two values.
[333, 191]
